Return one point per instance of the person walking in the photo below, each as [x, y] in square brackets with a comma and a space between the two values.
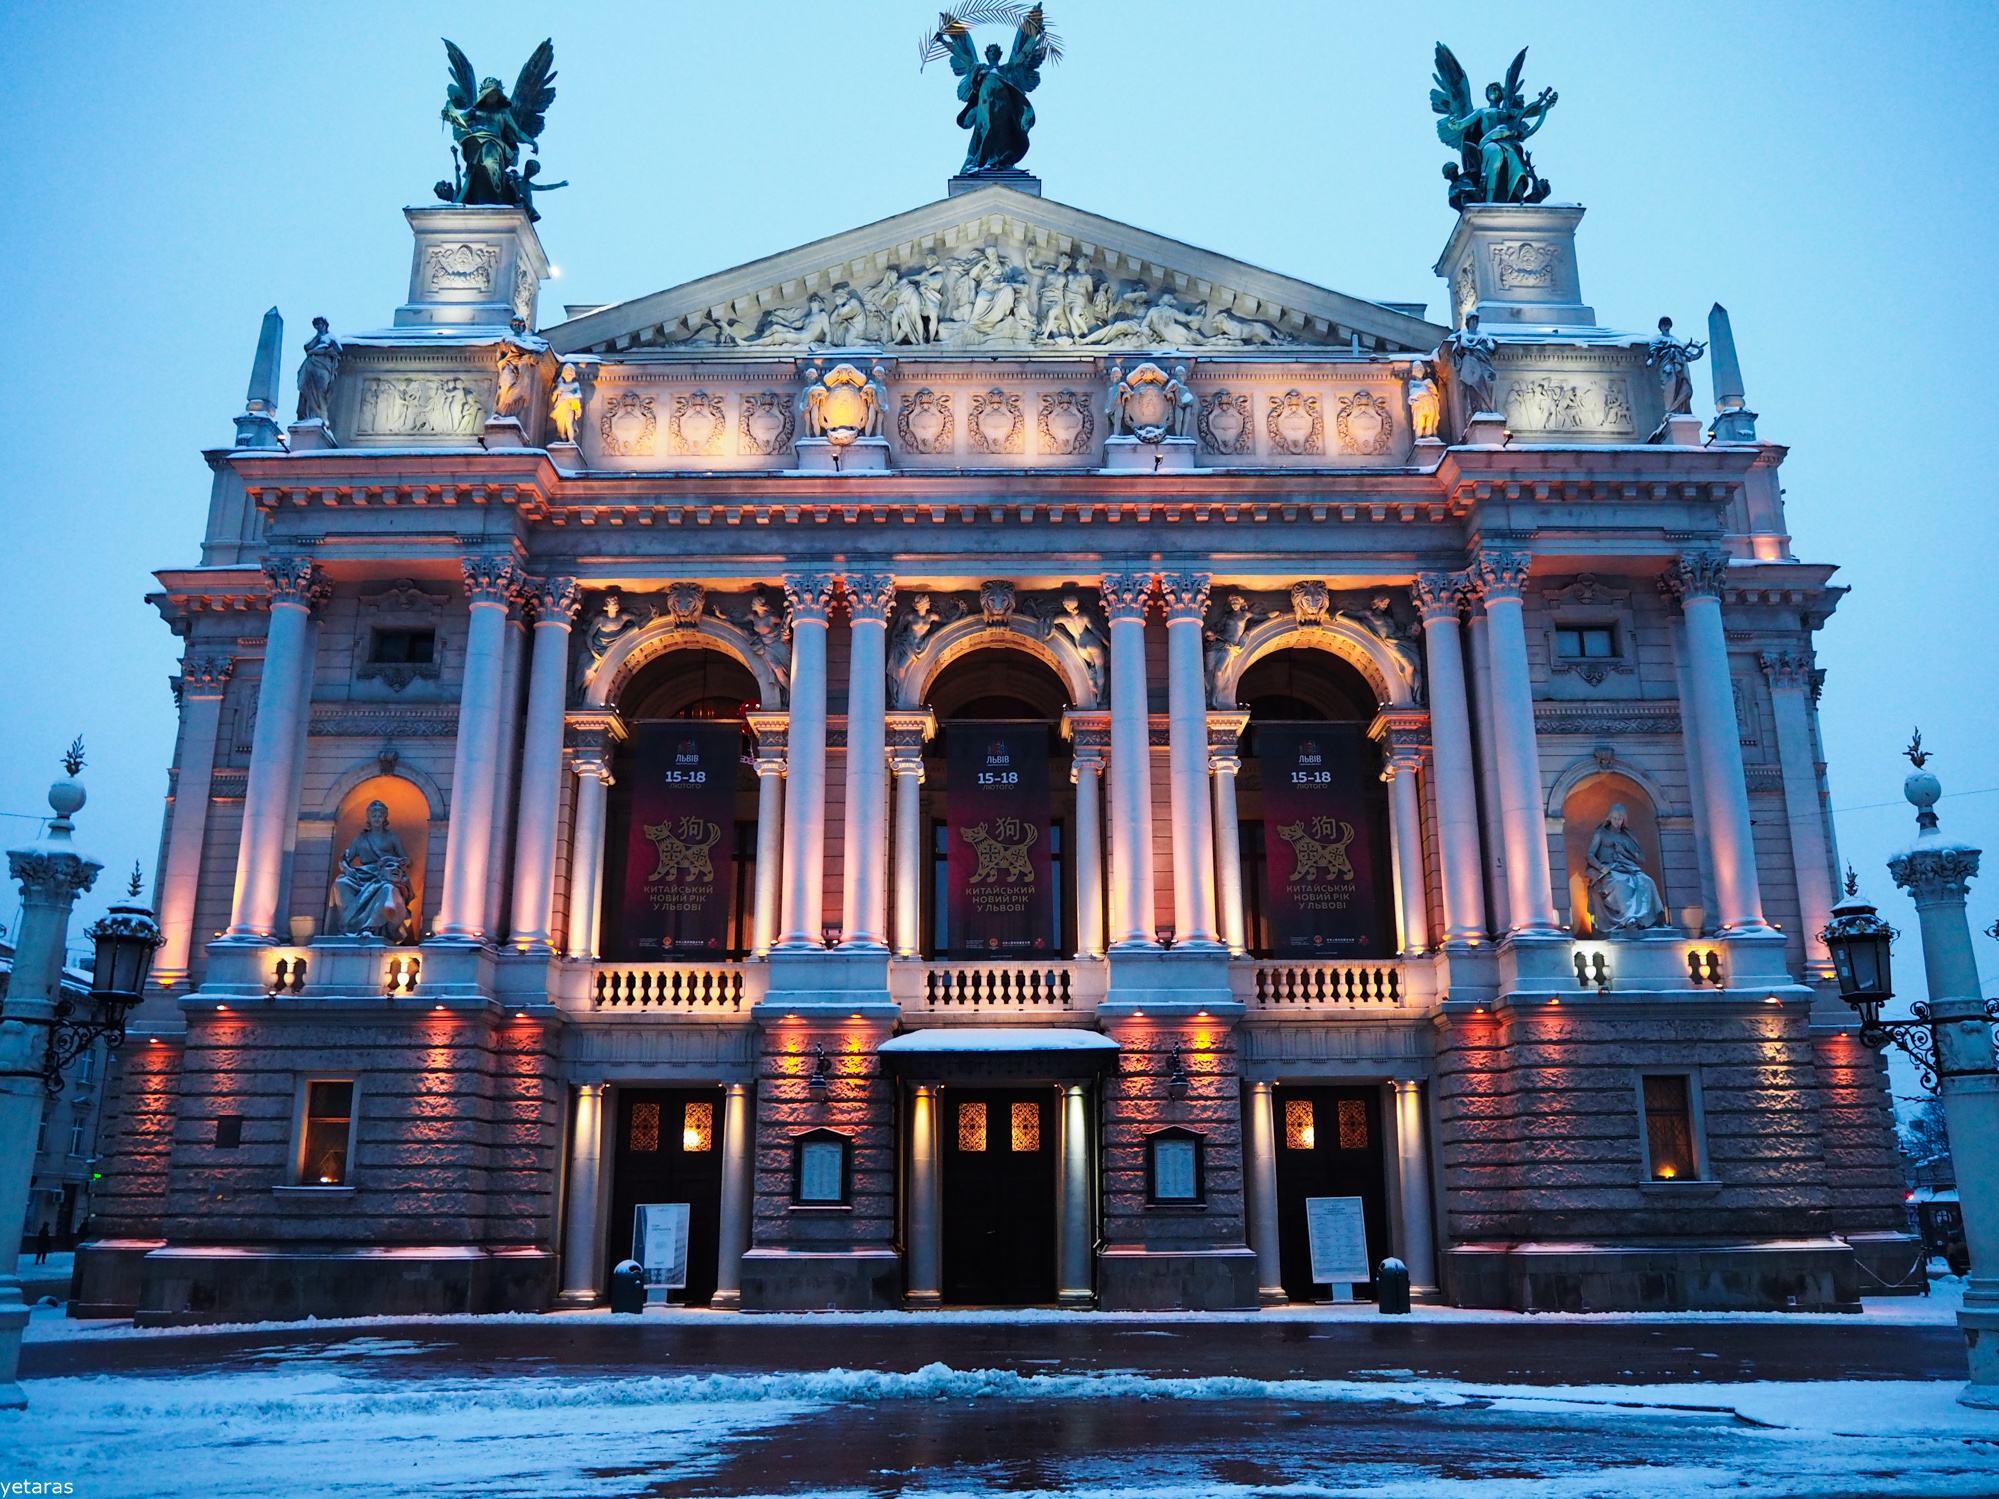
[42, 1245]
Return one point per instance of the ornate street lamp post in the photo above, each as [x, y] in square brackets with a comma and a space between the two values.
[1950, 1041]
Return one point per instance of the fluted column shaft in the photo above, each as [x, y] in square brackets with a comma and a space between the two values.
[1696, 579]
[1436, 596]
[1419, 1243]
[1790, 696]
[1186, 599]
[810, 596]
[582, 1264]
[586, 852]
[1125, 597]
[925, 1269]
[1530, 898]
[295, 587]
[864, 885]
[1086, 769]
[1405, 815]
[555, 601]
[738, 1189]
[203, 680]
[908, 766]
[1260, 1186]
[490, 585]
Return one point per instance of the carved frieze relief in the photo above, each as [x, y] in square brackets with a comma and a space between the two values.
[696, 426]
[628, 425]
[1524, 264]
[1549, 403]
[422, 405]
[460, 268]
[1294, 425]
[925, 422]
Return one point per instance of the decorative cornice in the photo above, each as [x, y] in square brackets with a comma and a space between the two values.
[809, 596]
[1605, 721]
[554, 600]
[1125, 595]
[491, 580]
[1695, 575]
[1500, 575]
[773, 731]
[1185, 595]
[870, 596]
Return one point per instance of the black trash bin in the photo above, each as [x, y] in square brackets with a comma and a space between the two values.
[628, 1288]
[1391, 1288]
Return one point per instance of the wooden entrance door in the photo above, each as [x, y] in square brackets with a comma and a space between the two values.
[669, 1149]
[1329, 1144]
[999, 1196]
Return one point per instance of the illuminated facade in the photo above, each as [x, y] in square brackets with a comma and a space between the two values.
[996, 757]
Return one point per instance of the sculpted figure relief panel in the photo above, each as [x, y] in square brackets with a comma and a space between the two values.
[422, 405]
[1553, 403]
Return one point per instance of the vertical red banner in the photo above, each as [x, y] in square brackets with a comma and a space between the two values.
[998, 876]
[1318, 839]
[679, 854]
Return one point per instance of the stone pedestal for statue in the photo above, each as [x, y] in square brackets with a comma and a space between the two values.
[1515, 263]
[1485, 429]
[1132, 454]
[1427, 453]
[1680, 430]
[505, 432]
[864, 455]
[473, 266]
[566, 456]
[1013, 177]
[310, 435]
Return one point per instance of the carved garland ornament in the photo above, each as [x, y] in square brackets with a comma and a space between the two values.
[1225, 422]
[1294, 425]
[465, 268]
[997, 424]
[629, 425]
[925, 424]
[767, 423]
[697, 424]
[1524, 263]
[1067, 423]
[1364, 424]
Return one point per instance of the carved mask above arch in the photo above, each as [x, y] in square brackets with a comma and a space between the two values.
[618, 632]
[1064, 627]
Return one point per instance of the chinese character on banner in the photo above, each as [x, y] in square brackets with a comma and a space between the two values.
[1318, 839]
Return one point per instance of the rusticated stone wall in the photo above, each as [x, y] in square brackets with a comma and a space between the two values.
[136, 1140]
[1138, 1103]
[859, 1103]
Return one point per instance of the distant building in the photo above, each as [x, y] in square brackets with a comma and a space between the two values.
[66, 1150]
[998, 757]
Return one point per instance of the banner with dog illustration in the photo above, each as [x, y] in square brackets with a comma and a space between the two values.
[1318, 839]
[678, 865]
[999, 874]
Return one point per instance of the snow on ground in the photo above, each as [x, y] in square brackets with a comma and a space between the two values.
[323, 1427]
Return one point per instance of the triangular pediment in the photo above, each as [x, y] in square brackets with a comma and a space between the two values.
[995, 270]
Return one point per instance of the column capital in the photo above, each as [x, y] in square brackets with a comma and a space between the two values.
[1225, 728]
[809, 596]
[1437, 596]
[870, 596]
[1695, 575]
[295, 580]
[52, 874]
[1404, 734]
[491, 579]
[910, 728]
[1788, 670]
[205, 676]
[1499, 575]
[1934, 874]
[554, 600]
[1125, 595]
[1089, 731]
[1185, 595]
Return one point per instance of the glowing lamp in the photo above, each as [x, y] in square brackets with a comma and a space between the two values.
[1859, 940]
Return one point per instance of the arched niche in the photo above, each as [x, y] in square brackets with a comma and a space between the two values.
[912, 685]
[605, 681]
[1390, 672]
[1584, 808]
[1300, 681]
[409, 819]
[998, 683]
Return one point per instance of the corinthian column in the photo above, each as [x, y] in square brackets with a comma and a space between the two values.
[490, 585]
[1125, 596]
[1086, 769]
[864, 889]
[1224, 764]
[1436, 597]
[906, 760]
[770, 730]
[592, 764]
[555, 601]
[810, 597]
[1696, 581]
[203, 680]
[1186, 598]
[281, 693]
[1530, 897]
[1797, 753]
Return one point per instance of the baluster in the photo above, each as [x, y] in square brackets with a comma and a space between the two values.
[964, 986]
[1065, 988]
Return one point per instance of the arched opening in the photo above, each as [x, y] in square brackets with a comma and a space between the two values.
[1313, 812]
[377, 886]
[1614, 897]
[680, 841]
[998, 807]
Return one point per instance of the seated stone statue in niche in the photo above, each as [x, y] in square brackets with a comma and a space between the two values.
[1623, 897]
[373, 896]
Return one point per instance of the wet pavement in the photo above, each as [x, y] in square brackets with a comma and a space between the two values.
[1527, 1352]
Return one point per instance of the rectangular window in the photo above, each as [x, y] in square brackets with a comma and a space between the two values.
[329, 1121]
[971, 1126]
[1027, 1126]
[822, 1171]
[697, 1127]
[1353, 1124]
[42, 1137]
[76, 1137]
[1586, 642]
[645, 1127]
[1298, 1131]
[86, 1067]
[1174, 1173]
[1669, 1128]
[228, 1131]
[403, 647]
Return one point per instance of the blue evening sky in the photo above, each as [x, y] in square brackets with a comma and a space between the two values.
[1827, 171]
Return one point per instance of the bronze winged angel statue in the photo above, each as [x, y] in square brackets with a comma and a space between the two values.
[1493, 164]
[994, 93]
[490, 127]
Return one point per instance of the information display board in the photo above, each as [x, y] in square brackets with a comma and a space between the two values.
[1001, 900]
[659, 1242]
[1338, 1235]
[679, 862]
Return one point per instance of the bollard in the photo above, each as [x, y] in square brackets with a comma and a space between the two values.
[628, 1288]
[1391, 1288]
